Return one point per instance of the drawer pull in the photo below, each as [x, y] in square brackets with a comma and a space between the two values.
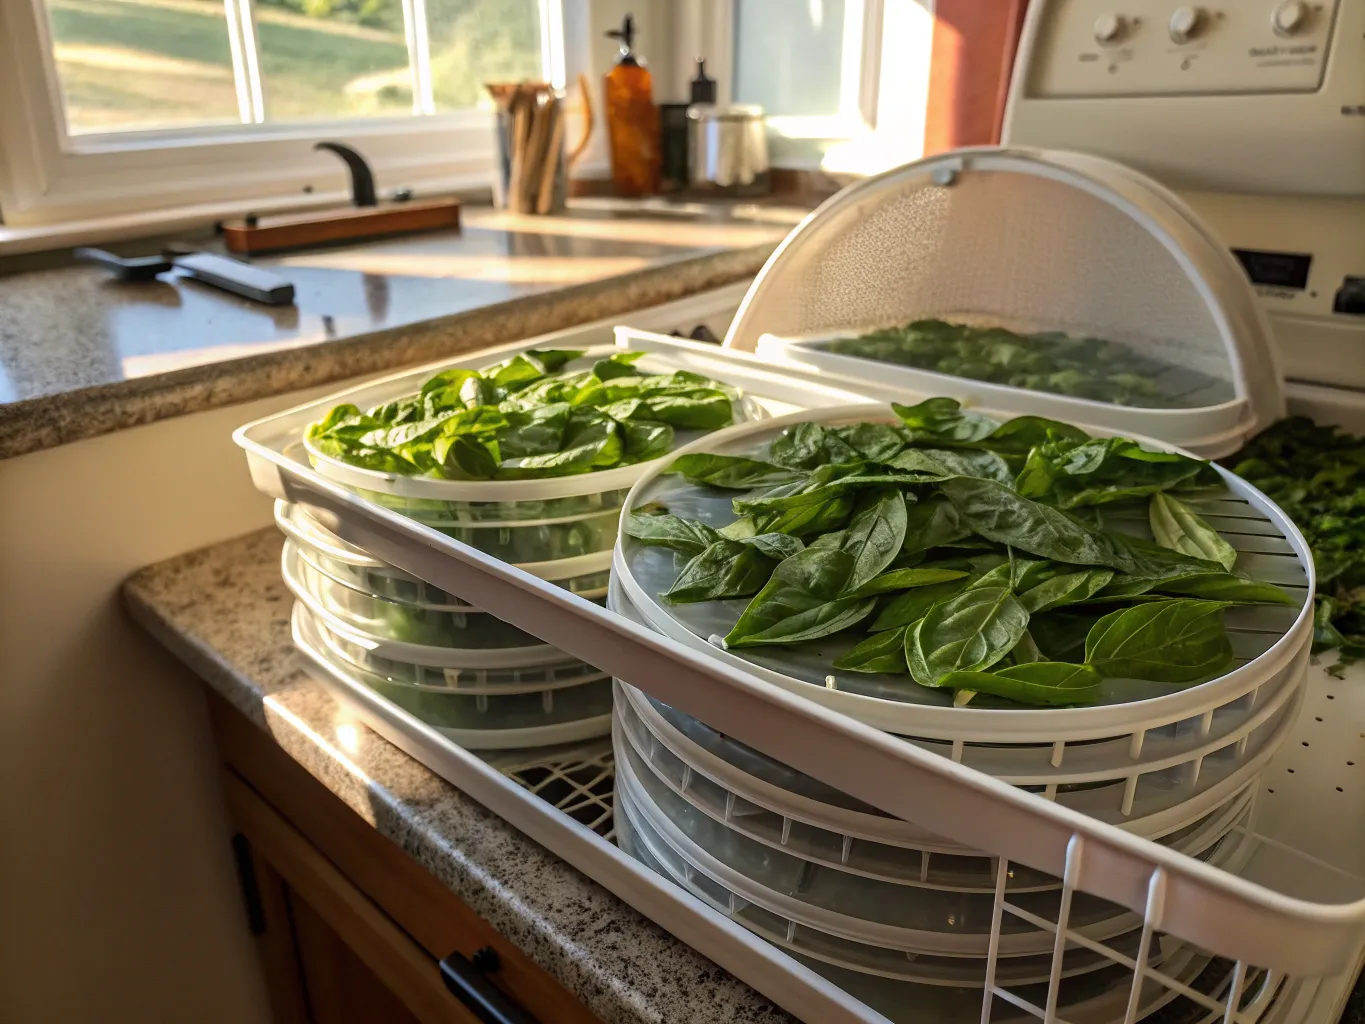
[467, 980]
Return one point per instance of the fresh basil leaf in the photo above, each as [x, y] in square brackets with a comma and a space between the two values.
[591, 439]
[802, 602]
[731, 472]
[697, 409]
[1178, 641]
[932, 523]
[645, 440]
[875, 442]
[338, 416]
[809, 520]
[881, 652]
[874, 536]
[1068, 588]
[452, 379]
[658, 529]
[942, 420]
[908, 608]
[808, 446]
[969, 632]
[1226, 587]
[906, 579]
[1176, 526]
[818, 488]
[1026, 651]
[1024, 433]
[998, 514]
[1046, 683]
[777, 546]
[1105, 470]
[1060, 635]
[726, 569]
[538, 431]
[555, 359]
[618, 364]
[465, 457]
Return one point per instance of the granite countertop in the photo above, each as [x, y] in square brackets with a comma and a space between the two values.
[82, 354]
[224, 611]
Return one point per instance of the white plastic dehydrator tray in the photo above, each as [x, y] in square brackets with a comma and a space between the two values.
[1286, 933]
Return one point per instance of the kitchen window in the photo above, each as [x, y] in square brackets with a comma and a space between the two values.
[127, 107]
[844, 83]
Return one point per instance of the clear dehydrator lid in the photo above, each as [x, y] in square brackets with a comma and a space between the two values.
[1049, 283]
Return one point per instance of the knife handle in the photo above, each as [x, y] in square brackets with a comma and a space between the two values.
[237, 277]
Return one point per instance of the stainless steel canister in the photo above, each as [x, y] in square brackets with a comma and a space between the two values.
[727, 150]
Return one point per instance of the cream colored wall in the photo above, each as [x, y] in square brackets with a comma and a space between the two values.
[118, 898]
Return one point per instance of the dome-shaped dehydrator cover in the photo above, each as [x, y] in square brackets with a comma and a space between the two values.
[1050, 283]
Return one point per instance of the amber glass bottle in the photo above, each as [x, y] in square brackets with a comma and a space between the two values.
[632, 119]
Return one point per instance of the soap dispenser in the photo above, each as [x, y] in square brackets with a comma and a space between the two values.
[632, 119]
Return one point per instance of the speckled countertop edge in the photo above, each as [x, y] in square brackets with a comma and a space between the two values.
[224, 611]
[50, 420]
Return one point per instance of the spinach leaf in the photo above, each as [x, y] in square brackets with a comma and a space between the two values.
[1176, 526]
[727, 568]
[881, 652]
[1048, 683]
[1177, 641]
[465, 457]
[662, 529]
[448, 379]
[969, 632]
[515, 373]
[802, 602]
[591, 439]
[731, 472]
[908, 608]
[942, 420]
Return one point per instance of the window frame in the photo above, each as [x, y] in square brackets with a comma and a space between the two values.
[50, 177]
[882, 103]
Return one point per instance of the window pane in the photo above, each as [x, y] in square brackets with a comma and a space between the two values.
[788, 55]
[478, 41]
[333, 58]
[128, 64]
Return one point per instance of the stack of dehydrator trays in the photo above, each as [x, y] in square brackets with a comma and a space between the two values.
[852, 892]
[483, 683]
[859, 856]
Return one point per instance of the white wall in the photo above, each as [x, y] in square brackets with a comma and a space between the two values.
[118, 898]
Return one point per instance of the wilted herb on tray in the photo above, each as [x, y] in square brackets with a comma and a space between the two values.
[966, 554]
[1093, 368]
[526, 419]
[1317, 475]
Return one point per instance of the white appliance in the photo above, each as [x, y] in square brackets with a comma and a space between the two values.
[1254, 111]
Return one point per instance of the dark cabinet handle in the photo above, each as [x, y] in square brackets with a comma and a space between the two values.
[467, 980]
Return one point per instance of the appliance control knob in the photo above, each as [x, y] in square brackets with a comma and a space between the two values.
[1186, 23]
[1110, 28]
[1289, 17]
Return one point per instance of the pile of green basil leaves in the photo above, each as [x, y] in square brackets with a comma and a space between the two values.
[966, 554]
[1317, 475]
[1092, 368]
[526, 419]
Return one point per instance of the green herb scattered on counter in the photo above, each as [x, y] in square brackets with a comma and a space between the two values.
[1092, 368]
[967, 554]
[526, 419]
[1317, 475]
